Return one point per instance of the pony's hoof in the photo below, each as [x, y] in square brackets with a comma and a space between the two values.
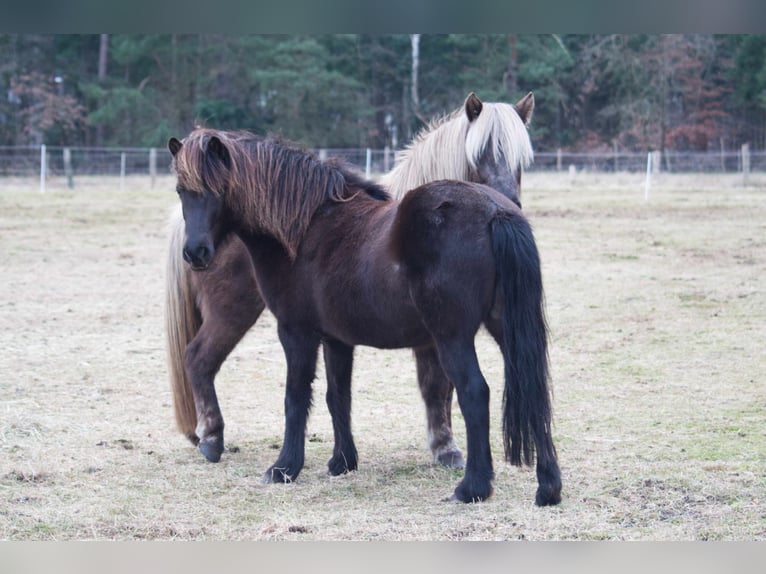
[471, 493]
[341, 465]
[276, 476]
[212, 450]
[457, 500]
[548, 496]
[451, 459]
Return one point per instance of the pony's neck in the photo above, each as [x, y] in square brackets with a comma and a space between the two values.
[281, 189]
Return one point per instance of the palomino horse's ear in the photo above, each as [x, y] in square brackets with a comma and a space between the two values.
[174, 145]
[473, 106]
[525, 106]
[216, 148]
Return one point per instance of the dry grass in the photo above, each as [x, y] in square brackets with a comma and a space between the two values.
[657, 314]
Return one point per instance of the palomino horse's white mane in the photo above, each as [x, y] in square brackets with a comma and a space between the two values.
[449, 147]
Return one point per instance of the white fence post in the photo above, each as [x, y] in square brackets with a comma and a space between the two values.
[67, 156]
[648, 183]
[153, 164]
[368, 164]
[745, 163]
[43, 167]
[122, 171]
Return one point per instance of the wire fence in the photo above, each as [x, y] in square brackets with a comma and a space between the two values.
[668, 162]
[71, 162]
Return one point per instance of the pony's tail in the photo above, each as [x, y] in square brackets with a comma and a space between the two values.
[526, 397]
[182, 321]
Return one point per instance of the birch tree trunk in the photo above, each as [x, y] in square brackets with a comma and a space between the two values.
[415, 38]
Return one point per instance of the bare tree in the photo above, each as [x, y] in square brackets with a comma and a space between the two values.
[103, 53]
[415, 38]
[510, 77]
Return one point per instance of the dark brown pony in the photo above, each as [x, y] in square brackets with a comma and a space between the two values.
[208, 313]
[339, 263]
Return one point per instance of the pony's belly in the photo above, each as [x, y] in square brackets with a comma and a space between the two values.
[393, 341]
[394, 331]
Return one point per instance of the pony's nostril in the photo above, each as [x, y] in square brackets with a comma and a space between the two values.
[202, 253]
[198, 257]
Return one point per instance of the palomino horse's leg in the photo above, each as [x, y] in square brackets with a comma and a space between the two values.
[459, 361]
[204, 356]
[548, 472]
[339, 360]
[301, 350]
[436, 390]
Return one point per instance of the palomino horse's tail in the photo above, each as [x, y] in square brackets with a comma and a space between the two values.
[527, 397]
[182, 321]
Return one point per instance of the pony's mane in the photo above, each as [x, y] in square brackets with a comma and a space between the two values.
[448, 149]
[275, 186]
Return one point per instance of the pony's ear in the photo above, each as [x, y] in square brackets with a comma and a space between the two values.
[216, 149]
[473, 106]
[174, 145]
[525, 106]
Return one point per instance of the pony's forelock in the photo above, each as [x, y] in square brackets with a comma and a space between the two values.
[500, 124]
[198, 171]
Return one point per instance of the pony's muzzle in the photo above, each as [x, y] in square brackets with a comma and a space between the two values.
[198, 257]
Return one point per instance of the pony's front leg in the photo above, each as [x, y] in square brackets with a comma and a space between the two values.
[339, 359]
[436, 390]
[301, 353]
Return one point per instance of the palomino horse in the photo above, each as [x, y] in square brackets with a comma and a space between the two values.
[208, 313]
[339, 263]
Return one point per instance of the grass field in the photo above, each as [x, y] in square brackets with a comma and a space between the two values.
[657, 312]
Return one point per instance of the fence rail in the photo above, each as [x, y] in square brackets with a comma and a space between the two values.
[26, 161]
[668, 162]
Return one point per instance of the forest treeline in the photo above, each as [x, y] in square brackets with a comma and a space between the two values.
[592, 92]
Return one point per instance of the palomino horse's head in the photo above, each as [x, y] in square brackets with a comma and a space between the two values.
[497, 143]
[453, 146]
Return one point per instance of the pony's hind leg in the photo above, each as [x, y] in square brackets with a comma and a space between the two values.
[436, 390]
[339, 360]
[301, 350]
[204, 356]
[459, 361]
[547, 467]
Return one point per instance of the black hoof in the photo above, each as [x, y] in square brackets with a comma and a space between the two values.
[340, 464]
[472, 491]
[451, 459]
[548, 485]
[548, 496]
[278, 476]
[468, 499]
[212, 449]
